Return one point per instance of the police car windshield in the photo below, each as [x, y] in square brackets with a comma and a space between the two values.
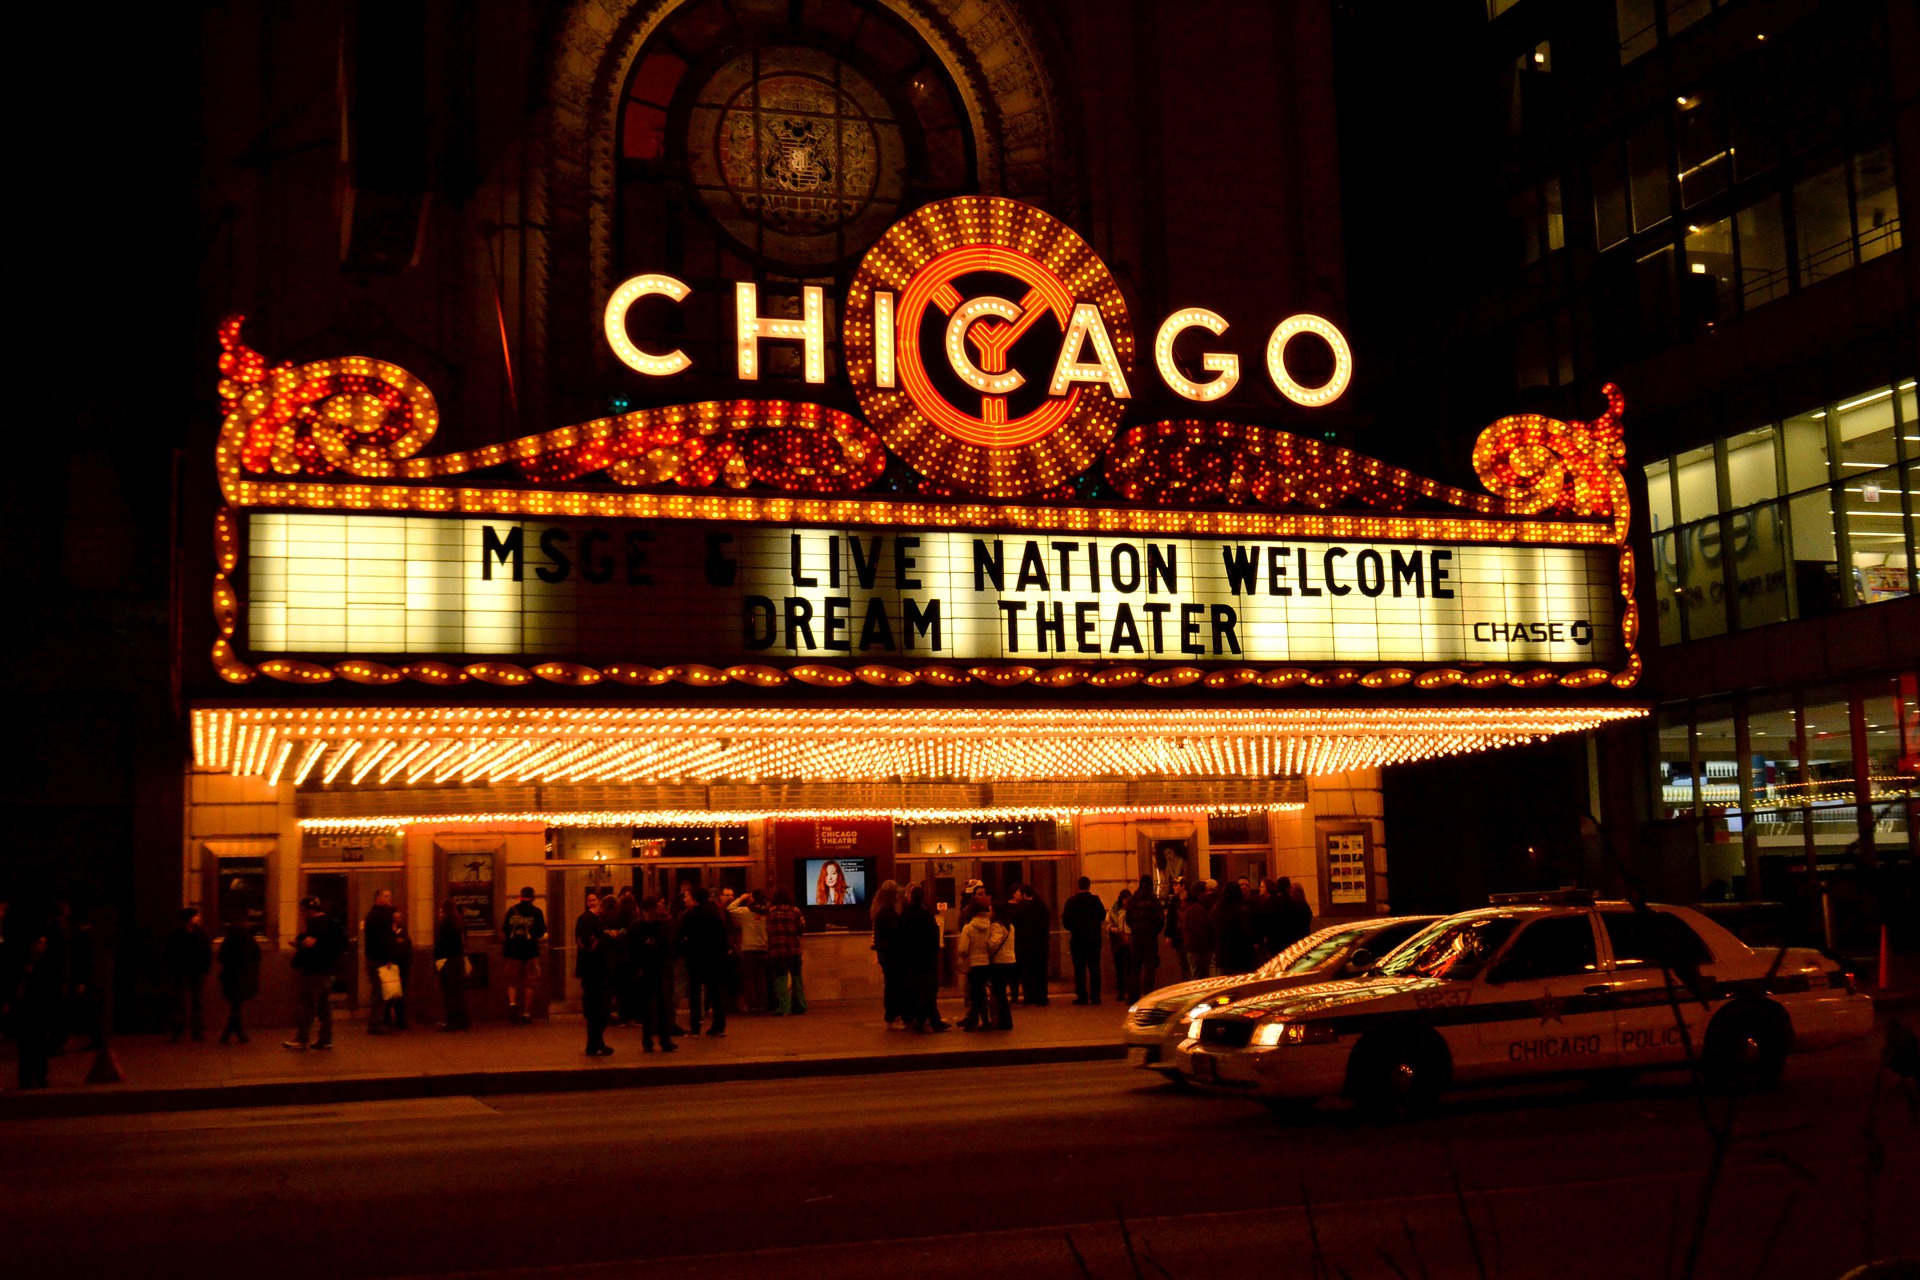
[1451, 948]
[1310, 952]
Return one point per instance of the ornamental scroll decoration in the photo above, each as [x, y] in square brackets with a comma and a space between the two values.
[313, 435]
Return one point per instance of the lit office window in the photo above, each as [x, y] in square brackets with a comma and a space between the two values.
[1752, 471]
[1699, 489]
[1763, 253]
[1660, 495]
[1713, 273]
[1779, 798]
[1676, 764]
[1700, 143]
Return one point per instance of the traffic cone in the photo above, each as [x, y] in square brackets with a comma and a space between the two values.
[1886, 976]
[106, 1068]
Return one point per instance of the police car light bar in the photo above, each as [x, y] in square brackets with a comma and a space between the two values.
[1543, 898]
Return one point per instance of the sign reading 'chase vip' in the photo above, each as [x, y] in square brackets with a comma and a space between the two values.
[673, 591]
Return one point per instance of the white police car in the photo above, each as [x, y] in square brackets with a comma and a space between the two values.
[1157, 1022]
[1534, 985]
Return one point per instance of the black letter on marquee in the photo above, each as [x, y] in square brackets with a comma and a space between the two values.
[1041, 626]
[759, 609]
[1438, 572]
[833, 561]
[595, 571]
[915, 623]
[865, 563]
[1158, 612]
[1066, 565]
[1013, 609]
[988, 566]
[1242, 567]
[550, 545]
[1360, 564]
[1306, 588]
[492, 545]
[838, 607]
[1407, 568]
[1129, 582]
[1163, 569]
[1086, 622]
[793, 562]
[1277, 572]
[903, 565]
[799, 620]
[1327, 565]
[1032, 570]
[1125, 633]
[720, 570]
[1190, 615]
[876, 630]
[1224, 621]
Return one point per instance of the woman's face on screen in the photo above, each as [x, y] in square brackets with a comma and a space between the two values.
[833, 875]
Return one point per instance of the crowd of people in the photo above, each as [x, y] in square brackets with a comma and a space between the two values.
[638, 959]
[1207, 928]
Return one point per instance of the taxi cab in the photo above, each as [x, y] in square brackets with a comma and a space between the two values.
[1533, 985]
[1157, 1023]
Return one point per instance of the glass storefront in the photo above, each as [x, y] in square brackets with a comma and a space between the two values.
[1793, 519]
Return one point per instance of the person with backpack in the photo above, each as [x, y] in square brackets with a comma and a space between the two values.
[521, 931]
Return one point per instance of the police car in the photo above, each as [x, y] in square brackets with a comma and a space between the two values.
[1534, 985]
[1157, 1023]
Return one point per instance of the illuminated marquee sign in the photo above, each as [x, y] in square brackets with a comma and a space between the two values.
[765, 542]
[428, 586]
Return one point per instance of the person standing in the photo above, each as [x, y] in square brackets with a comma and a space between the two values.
[1196, 932]
[749, 912]
[1299, 916]
[785, 924]
[1083, 918]
[886, 934]
[590, 948]
[1120, 942]
[189, 960]
[1145, 920]
[1269, 919]
[703, 945]
[239, 976]
[376, 945]
[1032, 925]
[521, 931]
[979, 938]
[32, 989]
[450, 961]
[403, 961]
[1175, 907]
[917, 957]
[650, 948]
[316, 958]
[1233, 932]
[1003, 973]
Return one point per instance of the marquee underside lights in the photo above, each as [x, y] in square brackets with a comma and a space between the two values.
[398, 822]
[487, 745]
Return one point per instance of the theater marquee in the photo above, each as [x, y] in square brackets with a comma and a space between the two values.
[756, 541]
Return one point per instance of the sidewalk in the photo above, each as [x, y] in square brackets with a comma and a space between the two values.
[843, 1038]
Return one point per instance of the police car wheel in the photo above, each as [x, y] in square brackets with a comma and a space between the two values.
[1395, 1078]
[1745, 1052]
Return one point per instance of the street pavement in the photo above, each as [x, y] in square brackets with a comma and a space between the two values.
[978, 1172]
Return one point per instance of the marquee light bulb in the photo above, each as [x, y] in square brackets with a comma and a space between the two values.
[1309, 397]
[1225, 364]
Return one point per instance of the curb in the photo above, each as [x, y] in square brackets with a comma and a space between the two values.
[285, 1093]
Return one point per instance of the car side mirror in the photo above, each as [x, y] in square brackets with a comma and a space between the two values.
[1361, 960]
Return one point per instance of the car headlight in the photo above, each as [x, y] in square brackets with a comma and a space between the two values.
[1279, 1032]
[1193, 1029]
[1135, 1006]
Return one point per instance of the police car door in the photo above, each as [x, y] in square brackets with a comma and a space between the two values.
[1657, 984]
[1546, 1003]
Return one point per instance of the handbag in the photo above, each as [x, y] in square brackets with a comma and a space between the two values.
[389, 975]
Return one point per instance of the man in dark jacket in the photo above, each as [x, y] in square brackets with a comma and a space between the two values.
[1145, 921]
[1084, 918]
[650, 951]
[702, 943]
[1196, 930]
[316, 956]
[189, 960]
[376, 944]
[1032, 923]
[1270, 918]
[1233, 932]
[521, 931]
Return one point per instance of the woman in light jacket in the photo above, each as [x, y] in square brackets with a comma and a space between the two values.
[1120, 942]
[1004, 974]
[978, 941]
